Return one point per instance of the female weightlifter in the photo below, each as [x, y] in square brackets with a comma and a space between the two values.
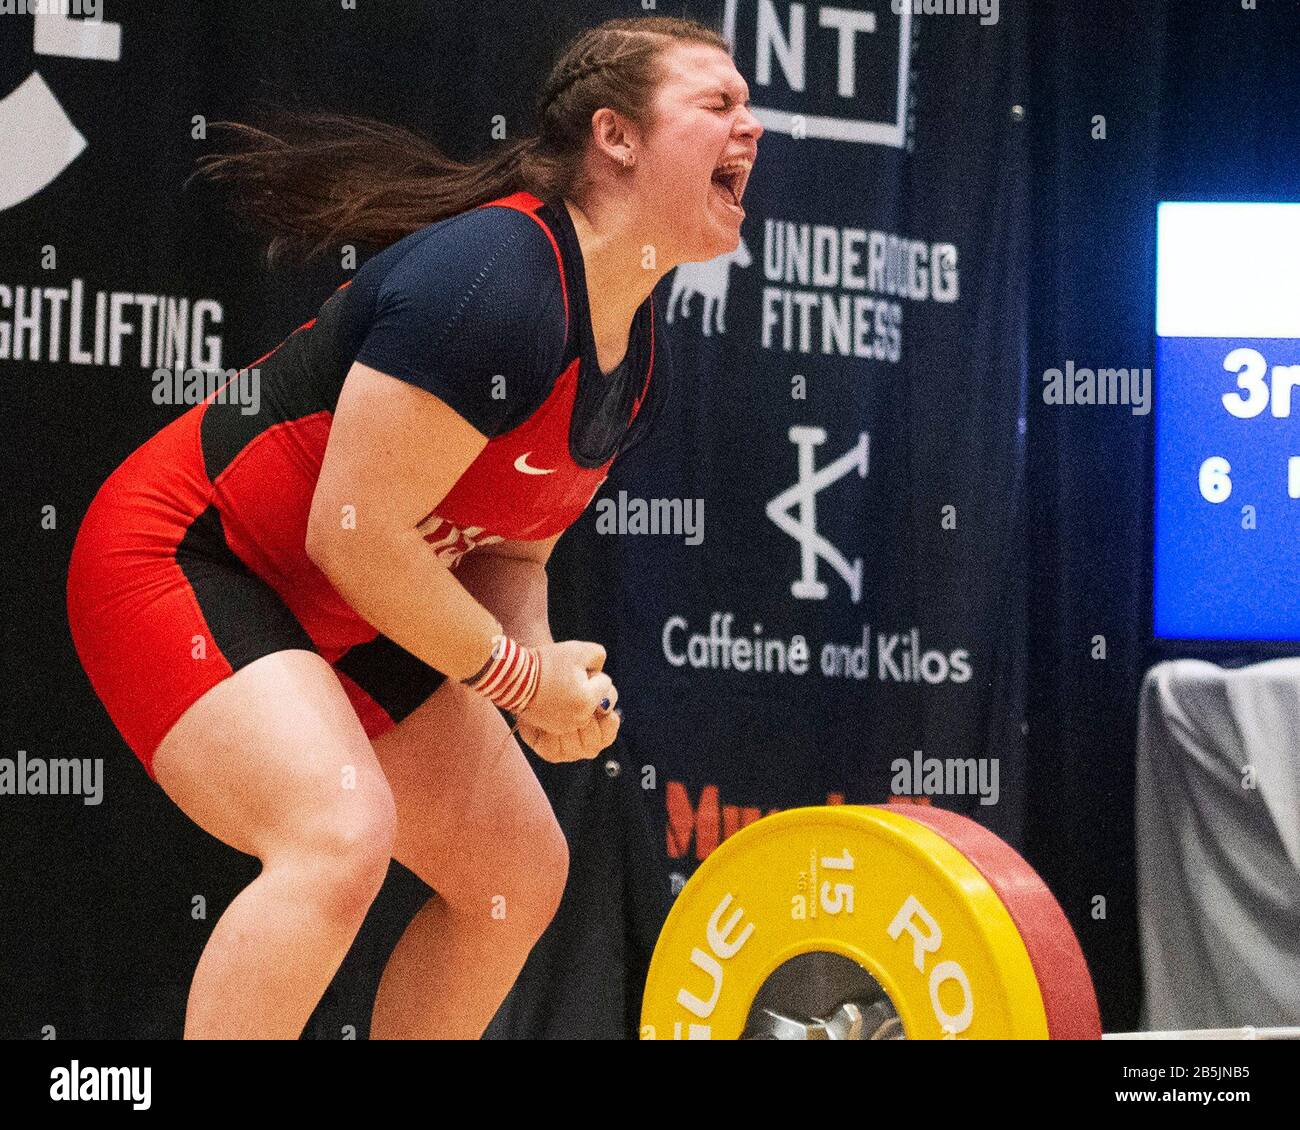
[304, 621]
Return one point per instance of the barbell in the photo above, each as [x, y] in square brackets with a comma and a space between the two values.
[883, 922]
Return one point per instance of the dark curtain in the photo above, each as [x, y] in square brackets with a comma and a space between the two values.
[1201, 102]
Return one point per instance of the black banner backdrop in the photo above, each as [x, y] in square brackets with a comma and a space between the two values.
[849, 416]
[848, 422]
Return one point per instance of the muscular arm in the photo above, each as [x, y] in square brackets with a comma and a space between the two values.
[394, 452]
[483, 298]
[509, 579]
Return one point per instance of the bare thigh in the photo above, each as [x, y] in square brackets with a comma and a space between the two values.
[274, 758]
[472, 818]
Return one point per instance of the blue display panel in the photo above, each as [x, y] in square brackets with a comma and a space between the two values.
[1227, 406]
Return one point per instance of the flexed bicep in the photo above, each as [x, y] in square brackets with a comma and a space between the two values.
[393, 454]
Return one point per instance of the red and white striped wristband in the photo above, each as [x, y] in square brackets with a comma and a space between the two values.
[509, 677]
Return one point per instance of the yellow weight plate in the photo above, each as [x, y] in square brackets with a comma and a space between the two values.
[866, 883]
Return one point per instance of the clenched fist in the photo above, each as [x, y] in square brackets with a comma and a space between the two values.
[597, 734]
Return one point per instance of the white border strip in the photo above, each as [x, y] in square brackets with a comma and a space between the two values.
[841, 129]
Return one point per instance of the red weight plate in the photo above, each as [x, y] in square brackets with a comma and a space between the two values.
[1063, 979]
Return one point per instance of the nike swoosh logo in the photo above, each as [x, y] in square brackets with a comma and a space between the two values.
[521, 465]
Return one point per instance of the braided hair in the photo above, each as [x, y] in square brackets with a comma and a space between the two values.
[613, 65]
[318, 180]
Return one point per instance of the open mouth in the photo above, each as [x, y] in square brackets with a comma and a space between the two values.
[729, 181]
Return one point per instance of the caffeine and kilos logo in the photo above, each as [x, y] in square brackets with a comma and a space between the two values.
[794, 510]
[880, 654]
[38, 140]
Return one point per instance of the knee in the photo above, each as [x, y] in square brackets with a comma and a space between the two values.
[530, 894]
[346, 849]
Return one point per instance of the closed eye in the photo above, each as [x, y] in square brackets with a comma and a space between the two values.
[728, 103]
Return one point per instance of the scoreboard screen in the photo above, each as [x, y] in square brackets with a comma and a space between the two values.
[1227, 422]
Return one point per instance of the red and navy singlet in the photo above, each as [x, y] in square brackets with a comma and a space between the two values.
[191, 560]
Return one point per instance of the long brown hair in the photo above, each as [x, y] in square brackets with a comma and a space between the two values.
[315, 179]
